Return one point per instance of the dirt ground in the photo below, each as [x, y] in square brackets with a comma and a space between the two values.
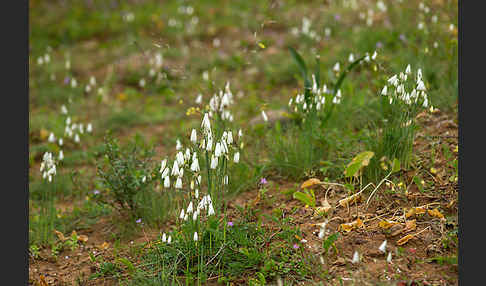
[411, 267]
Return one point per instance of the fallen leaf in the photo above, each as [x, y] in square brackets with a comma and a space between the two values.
[83, 238]
[60, 235]
[435, 213]
[352, 225]
[410, 225]
[339, 261]
[386, 224]
[348, 200]
[42, 281]
[122, 97]
[404, 239]
[309, 183]
[322, 210]
[415, 211]
[104, 245]
[451, 204]
[43, 134]
[396, 230]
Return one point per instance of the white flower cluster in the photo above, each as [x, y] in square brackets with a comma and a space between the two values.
[48, 166]
[166, 239]
[220, 102]
[155, 71]
[189, 159]
[90, 85]
[318, 99]
[205, 204]
[306, 30]
[404, 88]
[73, 129]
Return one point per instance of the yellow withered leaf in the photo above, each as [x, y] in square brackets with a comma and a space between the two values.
[414, 211]
[104, 245]
[346, 227]
[122, 96]
[435, 213]
[404, 239]
[60, 235]
[352, 225]
[43, 134]
[42, 281]
[386, 224]
[83, 238]
[309, 183]
[410, 225]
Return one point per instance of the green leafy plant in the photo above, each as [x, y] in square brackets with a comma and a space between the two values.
[124, 173]
[307, 197]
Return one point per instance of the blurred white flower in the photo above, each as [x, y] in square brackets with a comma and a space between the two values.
[382, 247]
[236, 157]
[389, 257]
[336, 67]
[384, 90]
[214, 162]
[195, 164]
[64, 109]
[178, 184]
[373, 57]
[199, 99]
[61, 155]
[351, 58]
[355, 257]
[190, 208]
[264, 115]
[166, 181]
[92, 81]
[51, 138]
[141, 83]
[74, 83]
[193, 136]
[195, 236]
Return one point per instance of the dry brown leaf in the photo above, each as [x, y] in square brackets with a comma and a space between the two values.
[386, 224]
[349, 200]
[309, 183]
[451, 204]
[352, 225]
[42, 281]
[435, 213]
[83, 238]
[322, 210]
[104, 245]
[60, 235]
[339, 261]
[414, 211]
[404, 239]
[410, 225]
[396, 230]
